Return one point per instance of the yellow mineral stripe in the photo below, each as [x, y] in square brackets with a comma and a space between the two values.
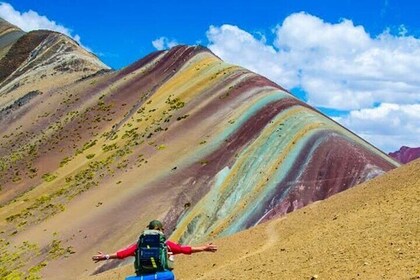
[190, 81]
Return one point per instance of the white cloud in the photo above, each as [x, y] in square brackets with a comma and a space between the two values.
[379, 125]
[237, 46]
[163, 43]
[339, 66]
[31, 20]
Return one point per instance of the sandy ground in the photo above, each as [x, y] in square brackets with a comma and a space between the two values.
[371, 231]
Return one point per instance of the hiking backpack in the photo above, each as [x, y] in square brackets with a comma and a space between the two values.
[152, 253]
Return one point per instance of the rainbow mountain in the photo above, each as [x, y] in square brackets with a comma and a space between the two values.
[88, 155]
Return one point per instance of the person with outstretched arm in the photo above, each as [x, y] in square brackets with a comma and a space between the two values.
[159, 265]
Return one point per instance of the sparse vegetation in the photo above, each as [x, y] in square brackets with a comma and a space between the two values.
[56, 250]
[107, 148]
[65, 161]
[17, 262]
[86, 146]
[90, 156]
[13, 261]
[48, 177]
[175, 103]
[182, 117]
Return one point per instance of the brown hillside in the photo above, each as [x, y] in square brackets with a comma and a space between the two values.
[371, 231]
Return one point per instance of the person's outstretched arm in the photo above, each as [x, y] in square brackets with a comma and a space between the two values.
[121, 254]
[176, 248]
[102, 257]
[204, 248]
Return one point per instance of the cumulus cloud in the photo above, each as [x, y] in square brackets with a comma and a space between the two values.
[237, 46]
[163, 43]
[389, 126]
[31, 20]
[338, 65]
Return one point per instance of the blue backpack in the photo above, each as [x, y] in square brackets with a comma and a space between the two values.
[152, 253]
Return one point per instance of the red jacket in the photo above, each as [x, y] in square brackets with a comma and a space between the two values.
[172, 246]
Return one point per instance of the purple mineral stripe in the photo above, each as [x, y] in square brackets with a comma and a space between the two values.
[336, 165]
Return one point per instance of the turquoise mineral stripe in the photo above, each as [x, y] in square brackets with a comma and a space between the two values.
[259, 163]
[252, 110]
[208, 206]
[247, 173]
[279, 175]
[309, 117]
[262, 157]
[233, 194]
[221, 177]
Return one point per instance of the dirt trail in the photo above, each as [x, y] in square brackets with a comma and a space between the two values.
[270, 239]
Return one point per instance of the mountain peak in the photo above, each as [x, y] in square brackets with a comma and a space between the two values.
[39, 54]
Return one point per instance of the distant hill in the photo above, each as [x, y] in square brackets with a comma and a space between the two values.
[406, 154]
[89, 155]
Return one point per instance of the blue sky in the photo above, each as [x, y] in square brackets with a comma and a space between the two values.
[356, 61]
[122, 31]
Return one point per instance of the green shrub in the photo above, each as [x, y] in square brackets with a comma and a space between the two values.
[48, 177]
